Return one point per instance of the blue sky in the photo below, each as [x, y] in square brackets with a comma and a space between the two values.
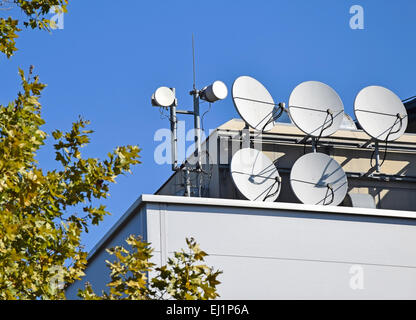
[111, 56]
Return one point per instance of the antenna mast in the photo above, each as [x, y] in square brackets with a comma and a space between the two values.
[165, 97]
[193, 60]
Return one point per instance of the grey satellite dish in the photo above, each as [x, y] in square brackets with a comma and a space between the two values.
[359, 200]
[255, 175]
[316, 109]
[348, 123]
[316, 178]
[253, 102]
[380, 113]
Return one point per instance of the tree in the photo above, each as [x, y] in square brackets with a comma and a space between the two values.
[41, 225]
[35, 12]
[183, 278]
[44, 213]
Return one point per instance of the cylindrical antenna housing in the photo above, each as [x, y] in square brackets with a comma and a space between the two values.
[163, 97]
[214, 92]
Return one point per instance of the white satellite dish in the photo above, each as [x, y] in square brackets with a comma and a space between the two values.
[163, 97]
[316, 178]
[316, 109]
[255, 175]
[380, 113]
[254, 103]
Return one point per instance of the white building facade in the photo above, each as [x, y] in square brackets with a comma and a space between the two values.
[285, 249]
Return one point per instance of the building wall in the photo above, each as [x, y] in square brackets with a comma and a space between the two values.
[282, 251]
[411, 112]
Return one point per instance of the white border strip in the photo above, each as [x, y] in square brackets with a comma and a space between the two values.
[278, 206]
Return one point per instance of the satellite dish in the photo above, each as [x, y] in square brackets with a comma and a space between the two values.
[255, 175]
[380, 113]
[316, 109]
[360, 200]
[253, 102]
[163, 97]
[348, 123]
[316, 178]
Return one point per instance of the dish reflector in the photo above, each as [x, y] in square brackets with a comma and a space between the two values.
[316, 178]
[163, 97]
[253, 102]
[316, 109]
[255, 175]
[380, 113]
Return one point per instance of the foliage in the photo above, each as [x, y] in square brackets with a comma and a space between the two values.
[40, 218]
[183, 278]
[35, 12]
[40, 223]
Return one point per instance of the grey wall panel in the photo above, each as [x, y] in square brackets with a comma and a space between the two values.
[280, 234]
[277, 254]
[274, 254]
[97, 272]
[262, 278]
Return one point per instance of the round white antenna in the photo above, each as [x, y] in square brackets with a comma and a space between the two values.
[255, 175]
[380, 113]
[216, 91]
[254, 103]
[163, 97]
[316, 109]
[316, 178]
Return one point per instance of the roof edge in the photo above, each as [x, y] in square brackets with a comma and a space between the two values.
[120, 222]
[278, 206]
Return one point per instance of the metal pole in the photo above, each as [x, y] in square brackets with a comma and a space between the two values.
[376, 146]
[174, 138]
[197, 126]
[187, 180]
[314, 144]
[245, 137]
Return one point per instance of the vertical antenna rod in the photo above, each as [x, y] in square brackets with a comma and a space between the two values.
[197, 120]
[193, 60]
